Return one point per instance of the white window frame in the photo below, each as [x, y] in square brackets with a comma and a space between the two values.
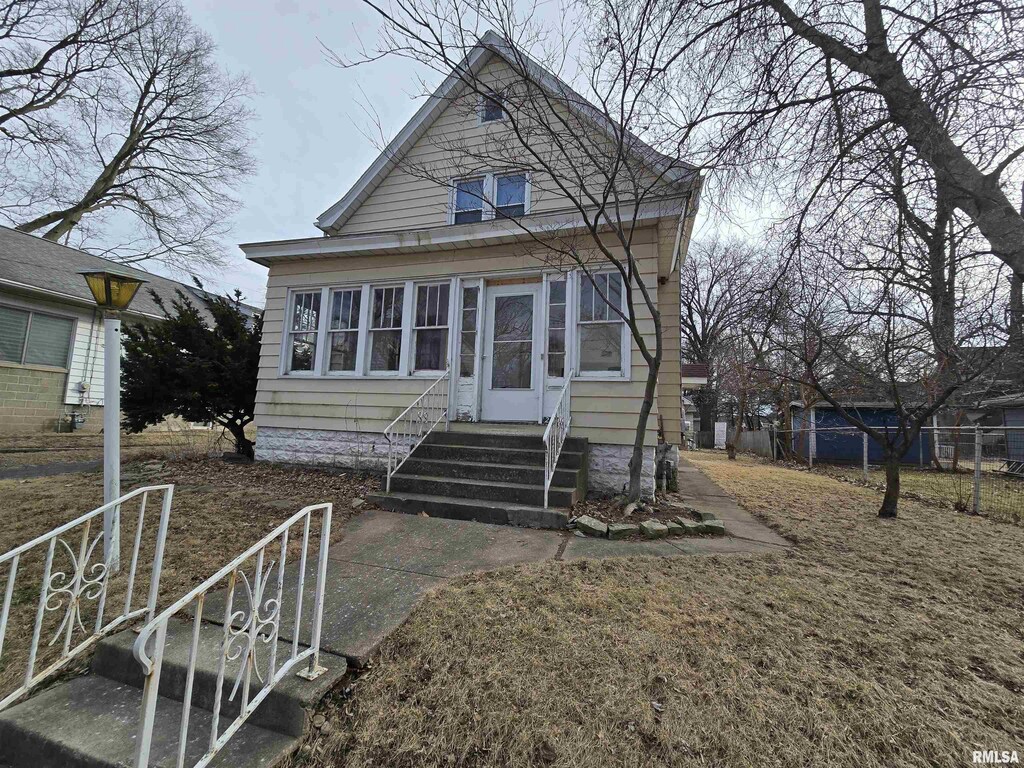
[481, 105]
[404, 327]
[490, 188]
[549, 278]
[28, 330]
[625, 346]
[360, 331]
[434, 372]
[286, 336]
[494, 190]
[453, 191]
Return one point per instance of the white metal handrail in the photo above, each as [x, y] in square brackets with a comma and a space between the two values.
[242, 631]
[413, 424]
[71, 584]
[555, 434]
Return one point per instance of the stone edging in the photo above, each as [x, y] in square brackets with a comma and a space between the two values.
[650, 529]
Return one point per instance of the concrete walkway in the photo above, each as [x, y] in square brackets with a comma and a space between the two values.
[387, 561]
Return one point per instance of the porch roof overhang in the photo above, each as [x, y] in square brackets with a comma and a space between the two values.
[448, 237]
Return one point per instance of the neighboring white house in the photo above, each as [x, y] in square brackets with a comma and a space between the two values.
[411, 278]
[51, 333]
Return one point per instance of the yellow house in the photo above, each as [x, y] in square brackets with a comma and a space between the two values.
[435, 274]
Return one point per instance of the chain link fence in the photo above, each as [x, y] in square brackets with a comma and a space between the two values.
[977, 469]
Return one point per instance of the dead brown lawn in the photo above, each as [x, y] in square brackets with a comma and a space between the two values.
[871, 643]
[46, 448]
[219, 510]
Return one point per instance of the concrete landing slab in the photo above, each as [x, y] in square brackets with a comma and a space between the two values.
[439, 547]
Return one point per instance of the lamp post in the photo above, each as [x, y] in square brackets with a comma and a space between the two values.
[113, 293]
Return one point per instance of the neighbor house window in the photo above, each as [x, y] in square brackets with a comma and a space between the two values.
[386, 329]
[303, 332]
[469, 201]
[34, 338]
[431, 329]
[492, 108]
[467, 356]
[510, 196]
[600, 327]
[556, 328]
[343, 331]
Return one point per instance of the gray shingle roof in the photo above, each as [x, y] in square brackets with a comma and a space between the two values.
[34, 263]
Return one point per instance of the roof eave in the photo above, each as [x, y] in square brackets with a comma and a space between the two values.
[448, 237]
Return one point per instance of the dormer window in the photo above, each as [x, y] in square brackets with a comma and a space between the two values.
[469, 200]
[492, 108]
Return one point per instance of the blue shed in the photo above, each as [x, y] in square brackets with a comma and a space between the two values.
[838, 442]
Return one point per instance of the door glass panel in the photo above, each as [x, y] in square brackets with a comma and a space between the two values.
[513, 318]
[512, 365]
[512, 359]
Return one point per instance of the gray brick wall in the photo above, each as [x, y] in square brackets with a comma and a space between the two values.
[31, 400]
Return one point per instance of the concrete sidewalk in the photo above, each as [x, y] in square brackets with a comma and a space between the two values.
[387, 561]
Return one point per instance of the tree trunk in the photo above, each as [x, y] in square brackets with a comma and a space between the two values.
[892, 486]
[730, 445]
[243, 445]
[636, 461]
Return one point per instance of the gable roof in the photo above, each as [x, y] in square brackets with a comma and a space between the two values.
[31, 264]
[488, 46]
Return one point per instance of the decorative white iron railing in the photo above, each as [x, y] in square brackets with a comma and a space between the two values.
[70, 579]
[415, 423]
[259, 622]
[555, 434]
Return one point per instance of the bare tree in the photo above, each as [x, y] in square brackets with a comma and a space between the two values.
[796, 88]
[585, 151]
[159, 135]
[865, 319]
[718, 292]
[47, 48]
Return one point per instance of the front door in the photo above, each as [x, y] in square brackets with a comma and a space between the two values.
[511, 356]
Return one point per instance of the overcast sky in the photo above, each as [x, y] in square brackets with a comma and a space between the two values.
[311, 134]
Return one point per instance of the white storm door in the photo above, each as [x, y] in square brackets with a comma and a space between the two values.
[511, 363]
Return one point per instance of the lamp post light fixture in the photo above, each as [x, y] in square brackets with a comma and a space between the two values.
[113, 292]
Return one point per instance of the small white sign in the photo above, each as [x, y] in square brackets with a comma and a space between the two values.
[720, 427]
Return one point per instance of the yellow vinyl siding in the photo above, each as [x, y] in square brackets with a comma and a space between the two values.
[604, 411]
[414, 194]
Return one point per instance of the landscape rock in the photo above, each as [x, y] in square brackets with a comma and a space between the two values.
[357, 503]
[652, 529]
[704, 516]
[591, 526]
[714, 527]
[622, 530]
[630, 509]
[674, 528]
[690, 528]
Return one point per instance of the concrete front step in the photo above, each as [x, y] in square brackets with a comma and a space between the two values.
[92, 722]
[496, 472]
[286, 707]
[475, 510]
[485, 454]
[510, 493]
[501, 440]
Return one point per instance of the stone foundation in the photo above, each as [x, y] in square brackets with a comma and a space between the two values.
[609, 469]
[608, 473]
[323, 447]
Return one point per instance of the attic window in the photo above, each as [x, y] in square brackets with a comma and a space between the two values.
[492, 108]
